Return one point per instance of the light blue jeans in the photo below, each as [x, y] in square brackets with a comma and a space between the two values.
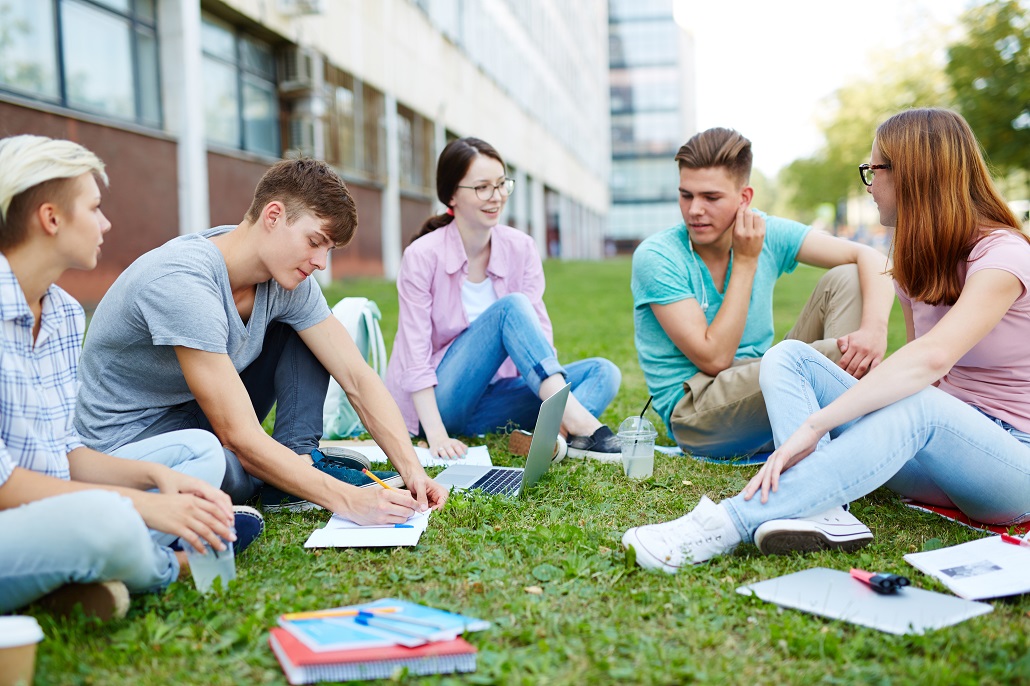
[930, 446]
[98, 535]
[471, 405]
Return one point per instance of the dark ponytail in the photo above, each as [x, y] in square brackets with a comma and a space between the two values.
[451, 168]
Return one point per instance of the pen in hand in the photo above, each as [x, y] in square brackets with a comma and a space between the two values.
[376, 479]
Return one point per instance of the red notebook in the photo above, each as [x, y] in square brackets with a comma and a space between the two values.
[304, 666]
[956, 515]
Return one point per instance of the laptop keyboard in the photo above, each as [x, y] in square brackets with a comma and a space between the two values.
[500, 481]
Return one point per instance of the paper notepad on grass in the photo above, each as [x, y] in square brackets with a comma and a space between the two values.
[341, 532]
[835, 594]
[478, 455]
[985, 568]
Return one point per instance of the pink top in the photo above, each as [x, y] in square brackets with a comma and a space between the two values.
[432, 273]
[995, 374]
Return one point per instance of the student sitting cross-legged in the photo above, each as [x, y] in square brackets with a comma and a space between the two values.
[212, 329]
[82, 526]
[944, 420]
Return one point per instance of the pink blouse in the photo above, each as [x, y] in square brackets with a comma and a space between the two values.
[432, 273]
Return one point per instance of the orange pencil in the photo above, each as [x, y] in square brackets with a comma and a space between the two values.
[376, 479]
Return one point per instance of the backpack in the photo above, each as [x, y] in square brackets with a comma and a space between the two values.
[360, 316]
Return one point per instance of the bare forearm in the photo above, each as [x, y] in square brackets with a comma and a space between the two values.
[877, 289]
[90, 466]
[429, 414]
[381, 416]
[906, 372]
[25, 486]
[725, 332]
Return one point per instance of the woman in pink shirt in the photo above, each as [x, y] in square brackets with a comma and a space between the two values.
[945, 419]
[474, 350]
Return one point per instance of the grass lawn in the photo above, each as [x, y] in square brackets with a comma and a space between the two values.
[593, 618]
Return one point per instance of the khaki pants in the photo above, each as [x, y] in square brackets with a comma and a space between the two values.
[724, 415]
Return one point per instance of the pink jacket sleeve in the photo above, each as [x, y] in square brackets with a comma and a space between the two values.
[415, 326]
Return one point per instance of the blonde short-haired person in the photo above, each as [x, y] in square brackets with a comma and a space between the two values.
[82, 526]
[945, 419]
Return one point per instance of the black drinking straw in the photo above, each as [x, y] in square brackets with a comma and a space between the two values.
[646, 405]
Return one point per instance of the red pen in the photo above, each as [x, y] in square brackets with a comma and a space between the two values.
[1015, 541]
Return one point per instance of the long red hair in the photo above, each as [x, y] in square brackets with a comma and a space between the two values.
[945, 198]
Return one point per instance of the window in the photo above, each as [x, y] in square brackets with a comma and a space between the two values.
[644, 179]
[647, 88]
[415, 138]
[241, 106]
[643, 43]
[105, 62]
[341, 130]
[646, 133]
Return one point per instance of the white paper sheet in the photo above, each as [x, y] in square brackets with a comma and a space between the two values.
[341, 532]
[985, 568]
[477, 455]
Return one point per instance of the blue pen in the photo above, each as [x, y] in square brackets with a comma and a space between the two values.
[387, 526]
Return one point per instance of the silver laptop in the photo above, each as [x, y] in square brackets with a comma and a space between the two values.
[514, 480]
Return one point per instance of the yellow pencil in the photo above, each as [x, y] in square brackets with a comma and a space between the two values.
[376, 479]
[316, 614]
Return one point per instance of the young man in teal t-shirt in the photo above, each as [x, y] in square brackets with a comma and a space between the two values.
[702, 300]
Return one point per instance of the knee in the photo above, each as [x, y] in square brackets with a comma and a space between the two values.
[844, 276]
[109, 529]
[516, 303]
[205, 455]
[783, 355]
[609, 374]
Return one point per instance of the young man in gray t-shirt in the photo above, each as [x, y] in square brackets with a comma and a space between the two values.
[211, 329]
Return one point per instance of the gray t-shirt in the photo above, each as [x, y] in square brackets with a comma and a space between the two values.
[175, 295]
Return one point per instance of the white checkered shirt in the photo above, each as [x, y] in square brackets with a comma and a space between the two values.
[38, 381]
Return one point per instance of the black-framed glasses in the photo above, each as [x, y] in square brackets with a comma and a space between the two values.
[485, 191]
[867, 171]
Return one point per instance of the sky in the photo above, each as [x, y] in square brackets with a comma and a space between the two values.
[766, 68]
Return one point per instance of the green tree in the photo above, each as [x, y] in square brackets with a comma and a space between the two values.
[989, 71]
[900, 80]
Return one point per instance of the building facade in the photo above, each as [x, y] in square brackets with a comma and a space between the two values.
[652, 115]
[189, 101]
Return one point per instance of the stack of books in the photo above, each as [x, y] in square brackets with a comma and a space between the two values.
[373, 641]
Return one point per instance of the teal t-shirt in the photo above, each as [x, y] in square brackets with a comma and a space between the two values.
[665, 271]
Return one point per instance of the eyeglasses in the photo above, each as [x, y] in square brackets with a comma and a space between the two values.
[866, 171]
[485, 191]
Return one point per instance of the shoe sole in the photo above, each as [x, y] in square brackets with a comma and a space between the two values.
[519, 442]
[105, 600]
[786, 542]
[606, 458]
[351, 459]
[294, 506]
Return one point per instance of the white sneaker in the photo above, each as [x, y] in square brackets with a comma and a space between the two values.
[834, 529]
[703, 533]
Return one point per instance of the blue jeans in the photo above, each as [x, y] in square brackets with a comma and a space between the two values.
[929, 446]
[98, 535]
[286, 375]
[470, 405]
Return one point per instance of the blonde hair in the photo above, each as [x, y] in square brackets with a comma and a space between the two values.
[945, 197]
[34, 170]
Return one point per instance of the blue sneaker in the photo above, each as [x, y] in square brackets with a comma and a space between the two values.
[249, 525]
[346, 465]
[340, 463]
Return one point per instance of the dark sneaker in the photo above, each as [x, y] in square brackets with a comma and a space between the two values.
[103, 599]
[249, 525]
[602, 445]
[519, 442]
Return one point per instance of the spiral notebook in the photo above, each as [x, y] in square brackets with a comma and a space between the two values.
[301, 665]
